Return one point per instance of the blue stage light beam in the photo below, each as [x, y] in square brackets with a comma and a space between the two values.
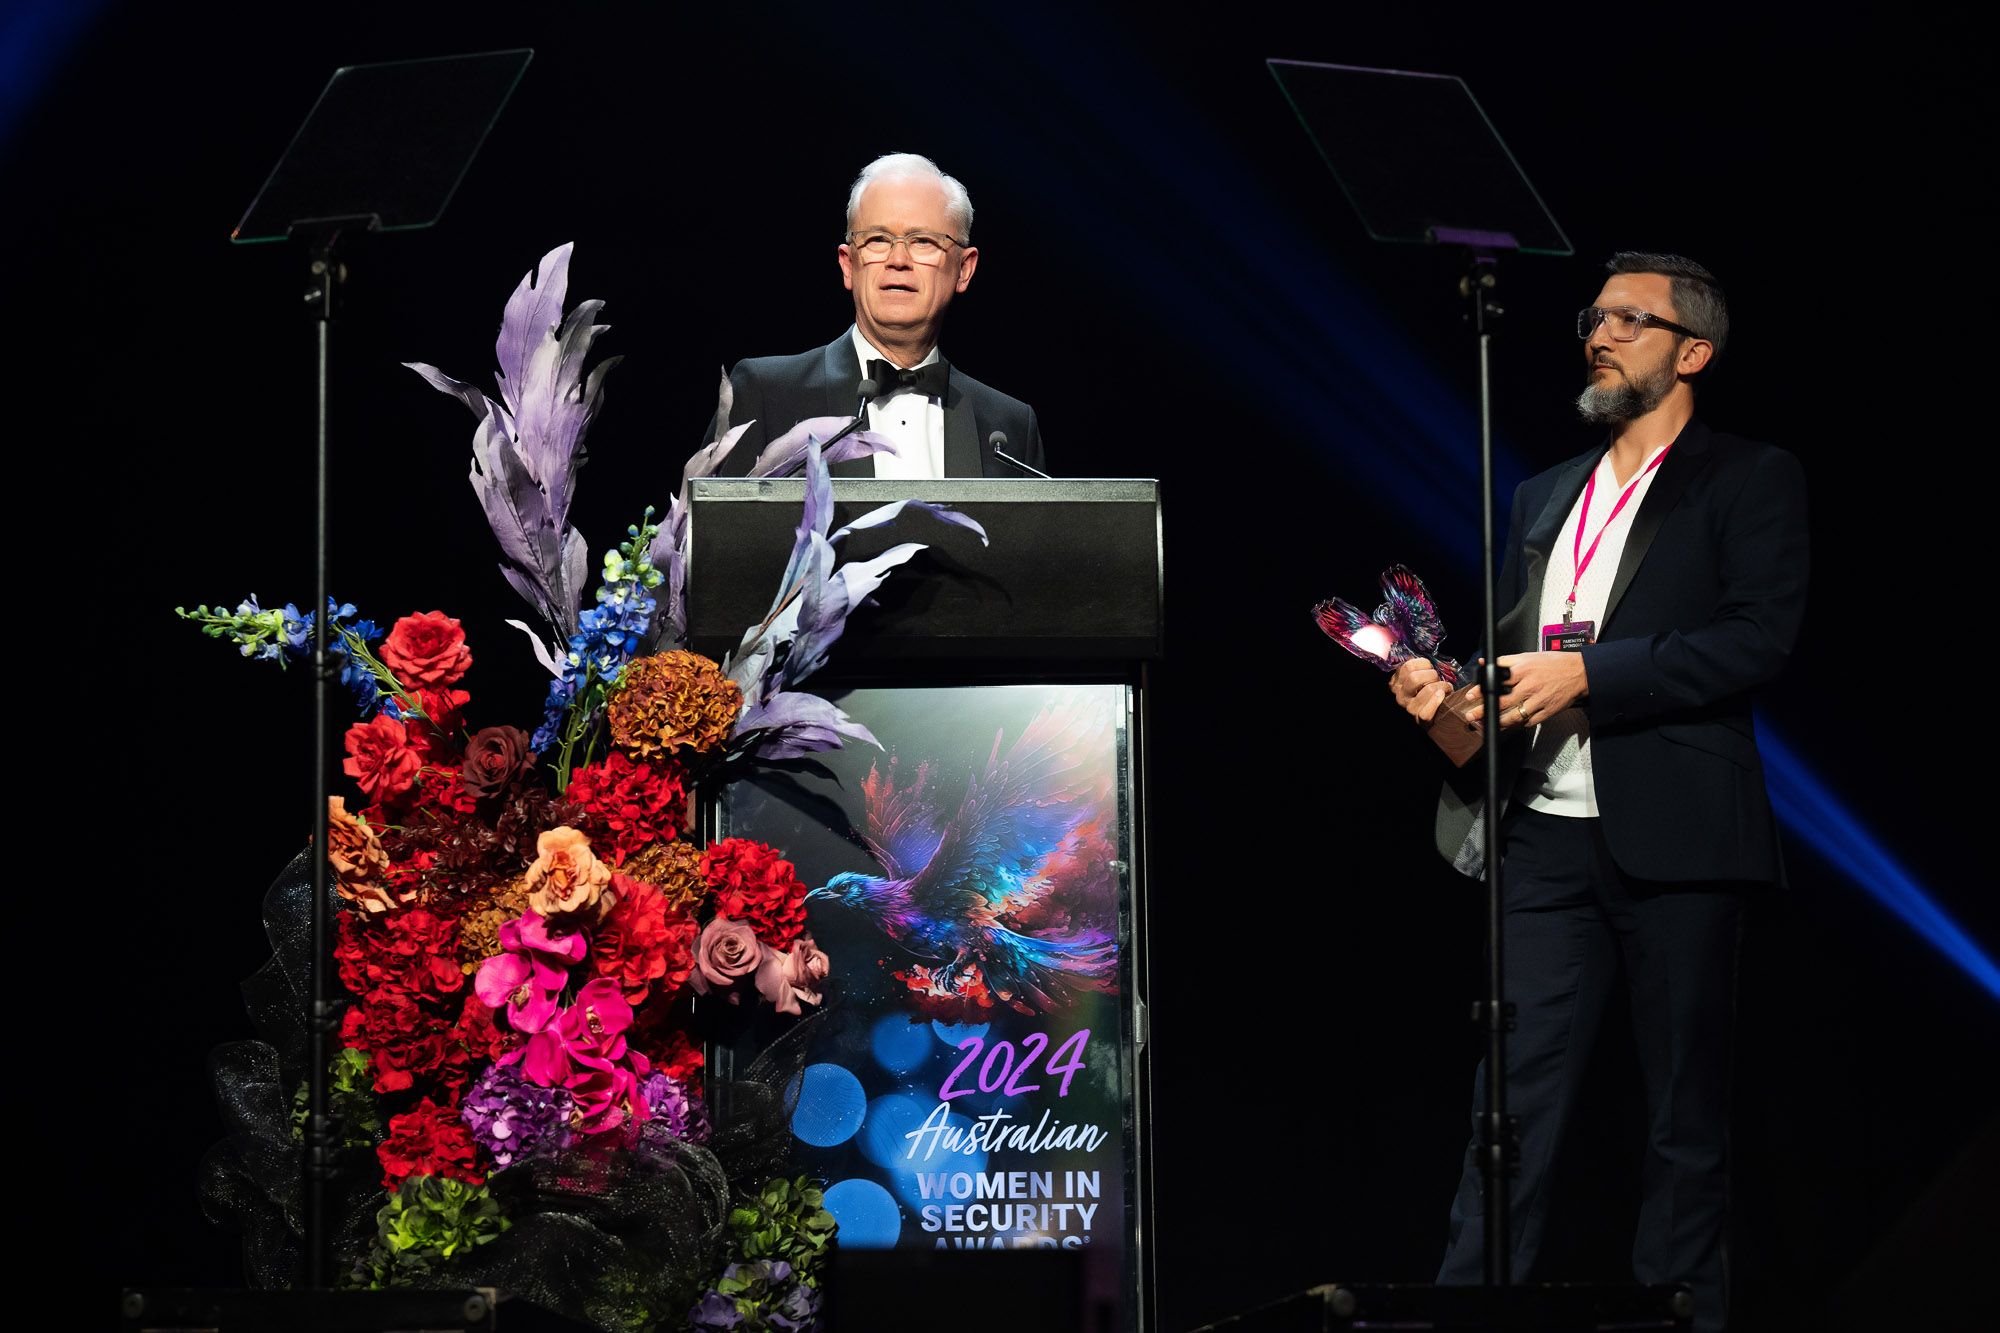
[1817, 815]
[35, 41]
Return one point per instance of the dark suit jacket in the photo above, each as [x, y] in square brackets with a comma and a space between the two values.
[1705, 606]
[781, 391]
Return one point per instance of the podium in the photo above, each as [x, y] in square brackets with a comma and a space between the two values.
[978, 1077]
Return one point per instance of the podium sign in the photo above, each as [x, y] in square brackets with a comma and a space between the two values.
[971, 1085]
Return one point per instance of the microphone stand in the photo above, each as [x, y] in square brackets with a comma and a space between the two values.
[1499, 1138]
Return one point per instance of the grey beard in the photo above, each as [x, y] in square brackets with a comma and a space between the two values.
[1616, 404]
[1611, 405]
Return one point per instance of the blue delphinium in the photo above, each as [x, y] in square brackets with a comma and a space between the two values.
[609, 634]
[280, 635]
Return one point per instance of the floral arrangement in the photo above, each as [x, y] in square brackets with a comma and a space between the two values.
[526, 916]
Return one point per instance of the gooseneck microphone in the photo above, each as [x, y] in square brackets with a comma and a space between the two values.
[997, 442]
[864, 391]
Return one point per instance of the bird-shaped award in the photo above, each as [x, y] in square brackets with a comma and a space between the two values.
[1407, 625]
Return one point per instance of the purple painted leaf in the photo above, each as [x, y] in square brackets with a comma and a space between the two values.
[465, 393]
[791, 723]
[784, 455]
[529, 445]
[821, 627]
[890, 512]
[532, 314]
[543, 654]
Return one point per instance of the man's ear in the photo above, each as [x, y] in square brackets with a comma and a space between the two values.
[966, 263]
[1695, 353]
[846, 267]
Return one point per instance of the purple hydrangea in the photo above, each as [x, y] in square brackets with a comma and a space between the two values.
[676, 1108]
[761, 1295]
[514, 1119]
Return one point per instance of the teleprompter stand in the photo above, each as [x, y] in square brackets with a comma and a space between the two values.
[383, 150]
[1421, 164]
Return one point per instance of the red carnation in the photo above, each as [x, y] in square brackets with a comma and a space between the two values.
[643, 941]
[753, 883]
[427, 649]
[429, 1141]
[442, 790]
[659, 1036]
[405, 1040]
[413, 952]
[627, 805]
[483, 1038]
[381, 758]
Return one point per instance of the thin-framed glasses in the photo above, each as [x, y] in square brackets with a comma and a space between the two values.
[925, 247]
[1624, 322]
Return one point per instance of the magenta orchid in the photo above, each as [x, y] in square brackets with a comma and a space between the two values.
[585, 1053]
[528, 978]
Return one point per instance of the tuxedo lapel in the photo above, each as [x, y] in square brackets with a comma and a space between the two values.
[1517, 631]
[1683, 462]
[961, 433]
[840, 391]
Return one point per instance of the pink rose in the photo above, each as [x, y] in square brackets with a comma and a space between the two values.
[787, 978]
[727, 952]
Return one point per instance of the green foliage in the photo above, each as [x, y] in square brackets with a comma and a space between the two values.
[351, 1098]
[788, 1220]
[428, 1221]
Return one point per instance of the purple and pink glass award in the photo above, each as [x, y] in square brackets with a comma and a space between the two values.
[1404, 626]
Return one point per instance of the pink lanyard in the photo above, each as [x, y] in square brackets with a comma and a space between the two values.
[1581, 558]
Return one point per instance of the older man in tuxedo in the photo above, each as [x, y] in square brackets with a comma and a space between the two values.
[907, 252]
[1654, 582]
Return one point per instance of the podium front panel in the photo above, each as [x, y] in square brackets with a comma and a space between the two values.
[972, 1083]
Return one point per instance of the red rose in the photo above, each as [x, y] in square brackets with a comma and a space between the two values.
[436, 733]
[380, 758]
[427, 649]
[753, 883]
[627, 805]
[643, 942]
[429, 1141]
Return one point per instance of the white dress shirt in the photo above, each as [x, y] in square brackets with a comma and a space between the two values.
[914, 424]
[1555, 777]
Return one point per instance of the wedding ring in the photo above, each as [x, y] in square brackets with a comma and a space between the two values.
[1522, 709]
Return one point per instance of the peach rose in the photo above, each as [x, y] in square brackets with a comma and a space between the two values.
[787, 978]
[359, 863]
[567, 882]
[727, 952]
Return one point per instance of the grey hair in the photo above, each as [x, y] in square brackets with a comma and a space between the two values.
[1697, 296]
[957, 203]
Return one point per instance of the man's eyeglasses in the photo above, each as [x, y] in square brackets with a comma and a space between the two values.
[924, 247]
[1624, 322]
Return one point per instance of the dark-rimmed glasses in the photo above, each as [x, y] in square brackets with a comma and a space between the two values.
[925, 247]
[1624, 322]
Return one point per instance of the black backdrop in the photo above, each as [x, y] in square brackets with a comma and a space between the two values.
[1171, 277]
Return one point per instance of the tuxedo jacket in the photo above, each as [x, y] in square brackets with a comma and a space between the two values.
[778, 392]
[1704, 608]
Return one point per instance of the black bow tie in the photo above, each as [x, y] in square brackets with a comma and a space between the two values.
[930, 380]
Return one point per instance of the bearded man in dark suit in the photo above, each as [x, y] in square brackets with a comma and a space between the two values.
[1654, 583]
[908, 250]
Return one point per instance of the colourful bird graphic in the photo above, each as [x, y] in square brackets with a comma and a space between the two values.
[1011, 897]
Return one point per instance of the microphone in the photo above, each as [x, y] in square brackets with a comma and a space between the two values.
[997, 442]
[864, 391]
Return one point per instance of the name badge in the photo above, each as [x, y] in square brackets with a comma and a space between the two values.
[1568, 638]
